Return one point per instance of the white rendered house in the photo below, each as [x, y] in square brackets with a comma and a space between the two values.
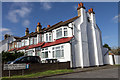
[77, 40]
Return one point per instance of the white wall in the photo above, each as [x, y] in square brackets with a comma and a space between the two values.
[67, 53]
[117, 59]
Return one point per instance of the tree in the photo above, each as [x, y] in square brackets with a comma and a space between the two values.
[107, 46]
[7, 56]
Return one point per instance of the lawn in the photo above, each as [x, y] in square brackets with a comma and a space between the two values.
[40, 74]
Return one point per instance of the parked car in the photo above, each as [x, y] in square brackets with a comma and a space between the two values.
[26, 59]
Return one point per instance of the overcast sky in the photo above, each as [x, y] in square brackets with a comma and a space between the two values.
[17, 16]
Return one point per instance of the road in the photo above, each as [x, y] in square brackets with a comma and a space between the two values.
[103, 73]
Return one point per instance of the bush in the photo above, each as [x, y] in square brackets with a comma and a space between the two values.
[7, 56]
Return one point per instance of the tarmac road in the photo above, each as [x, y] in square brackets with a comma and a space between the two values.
[102, 73]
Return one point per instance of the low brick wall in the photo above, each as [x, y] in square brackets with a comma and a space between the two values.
[33, 68]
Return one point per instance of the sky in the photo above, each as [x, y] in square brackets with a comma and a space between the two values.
[17, 16]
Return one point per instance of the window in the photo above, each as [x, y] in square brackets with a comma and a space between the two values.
[46, 37]
[59, 33]
[35, 40]
[25, 42]
[42, 37]
[31, 41]
[65, 32]
[50, 37]
[44, 52]
[39, 38]
[30, 53]
[22, 42]
[88, 19]
[58, 52]
[19, 44]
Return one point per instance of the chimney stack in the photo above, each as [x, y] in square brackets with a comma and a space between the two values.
[80, 5]
[6, 36]
[26, 31]
[39, 27]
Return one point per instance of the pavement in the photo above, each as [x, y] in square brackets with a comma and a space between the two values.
[92, 72]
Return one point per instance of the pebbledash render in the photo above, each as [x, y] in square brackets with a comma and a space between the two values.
[77, 40]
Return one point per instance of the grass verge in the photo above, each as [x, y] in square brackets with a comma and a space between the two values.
[40, 74]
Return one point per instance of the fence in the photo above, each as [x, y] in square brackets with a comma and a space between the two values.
[33, 68]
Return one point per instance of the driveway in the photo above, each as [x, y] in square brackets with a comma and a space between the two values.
[101, 73]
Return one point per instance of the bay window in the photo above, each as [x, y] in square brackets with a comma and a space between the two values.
[58, 52]
[44, 53]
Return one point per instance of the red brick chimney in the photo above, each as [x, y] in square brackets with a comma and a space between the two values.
[39, 27]
[80, 5]
[26, 31]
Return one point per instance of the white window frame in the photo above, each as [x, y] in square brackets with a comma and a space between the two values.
[31, 41]
[62, 35]
[54, 49]
[23, 43]
[43, 50]
[35, 40]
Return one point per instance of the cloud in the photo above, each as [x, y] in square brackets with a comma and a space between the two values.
[116, 18]
[17, 11]
[4, 31]
[46, 5]
[26, 23]
[75, 7]
[14, 15]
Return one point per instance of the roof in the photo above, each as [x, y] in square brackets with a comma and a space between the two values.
[58, 41]
[61, 23]
[12, 49]
[24, 47]
[37, 45]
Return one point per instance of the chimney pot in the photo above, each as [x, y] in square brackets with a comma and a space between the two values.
[78, 5]
[38, 23]
[81, 4]
[91, 9]
[48, 26]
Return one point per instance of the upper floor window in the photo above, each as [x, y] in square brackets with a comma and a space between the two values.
[31, 41]
[19, 44]
[65, 32]
[35, 40]
[39, 38]
[50, 37]
[62, 32]
[59, 33]
[25, 42]
[47, 37]
[42, 37]
[22, 42]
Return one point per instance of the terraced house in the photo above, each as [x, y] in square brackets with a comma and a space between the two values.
[77, 40]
